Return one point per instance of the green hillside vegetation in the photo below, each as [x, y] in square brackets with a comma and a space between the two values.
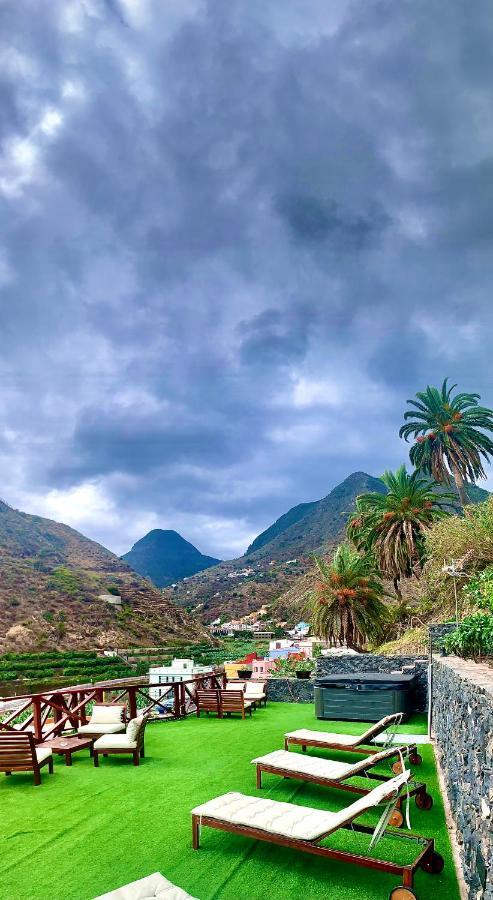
[51, 578]
[316, 527]
[280, 525]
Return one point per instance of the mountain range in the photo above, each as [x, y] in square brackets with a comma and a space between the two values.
[280, 558]
[52, 579]
[166, 557]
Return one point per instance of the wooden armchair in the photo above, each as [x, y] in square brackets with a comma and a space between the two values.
[18, 753]
[234, 702]
[130, 742]
[208, 701]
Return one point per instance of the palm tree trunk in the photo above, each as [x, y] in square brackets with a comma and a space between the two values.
[459, 483]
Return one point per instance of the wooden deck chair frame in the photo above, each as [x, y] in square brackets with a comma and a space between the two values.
[426, 858]
[18, 754]
[364, 747]
[417, 789]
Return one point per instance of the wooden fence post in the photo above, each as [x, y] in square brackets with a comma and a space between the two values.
[38, 726]
[132, 702]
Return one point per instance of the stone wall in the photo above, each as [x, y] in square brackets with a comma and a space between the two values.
[371, 662]
[290, 690]
[463, 727]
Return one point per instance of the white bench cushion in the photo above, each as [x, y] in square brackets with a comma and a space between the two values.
[134, 727]
[106, 715]
[153, 887]
[101, 729]
[255, 690]
[43, 753]
[325, 737]
[115, 741]
[235, 686]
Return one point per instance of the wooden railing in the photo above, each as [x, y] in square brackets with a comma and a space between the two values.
[49, 713]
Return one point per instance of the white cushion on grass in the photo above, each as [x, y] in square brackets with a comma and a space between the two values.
[43, 753]
[106, 715]
[100, 729]
[153, 887]
[117, 741]
[325, 737]
[298, 822]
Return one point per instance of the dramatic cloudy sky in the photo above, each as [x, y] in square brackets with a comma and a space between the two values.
[235, 238]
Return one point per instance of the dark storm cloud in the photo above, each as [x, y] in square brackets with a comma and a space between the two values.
[235, 238]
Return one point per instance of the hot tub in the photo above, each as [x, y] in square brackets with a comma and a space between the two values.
[364, 697]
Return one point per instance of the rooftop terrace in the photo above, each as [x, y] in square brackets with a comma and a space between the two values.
[86, 831]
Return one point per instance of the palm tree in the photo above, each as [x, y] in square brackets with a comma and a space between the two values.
[393, 526]
[348, 607]
[448, 442]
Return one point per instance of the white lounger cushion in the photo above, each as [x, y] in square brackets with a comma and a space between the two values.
[325, 737]
[43, 753]
[153, 887]
[297, 822]
[314, 765]
[115, 741]
[101, 729]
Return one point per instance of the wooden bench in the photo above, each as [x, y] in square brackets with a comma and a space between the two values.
[208, 701]
[234, 701]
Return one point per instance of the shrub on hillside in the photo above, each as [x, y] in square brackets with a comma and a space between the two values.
[479, 590]
[467, 539]
[65, 581]
[472, 638]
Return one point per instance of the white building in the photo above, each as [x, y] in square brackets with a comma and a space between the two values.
[179, 670]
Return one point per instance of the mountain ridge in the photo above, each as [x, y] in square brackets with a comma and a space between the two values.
[278, 563]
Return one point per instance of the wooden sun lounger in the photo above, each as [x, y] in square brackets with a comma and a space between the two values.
[333, 774]
[360, 744]
[302, 828]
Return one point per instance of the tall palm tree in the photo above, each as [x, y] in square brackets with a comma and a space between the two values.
[393, 526]
[448, 439]
[348, 607]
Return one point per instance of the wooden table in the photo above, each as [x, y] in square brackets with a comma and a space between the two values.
[66, 746]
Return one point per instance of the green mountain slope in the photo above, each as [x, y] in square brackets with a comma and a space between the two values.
[51, 578]
[165, 557]
[275, 579]
[280, 525]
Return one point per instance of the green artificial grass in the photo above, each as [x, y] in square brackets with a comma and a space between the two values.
[86, 831]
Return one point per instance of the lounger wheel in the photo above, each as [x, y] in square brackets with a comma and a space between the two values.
[397, 767]
[403, 893]
[433, 863]
[396, 819]
[424, 801]
[415, 759]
